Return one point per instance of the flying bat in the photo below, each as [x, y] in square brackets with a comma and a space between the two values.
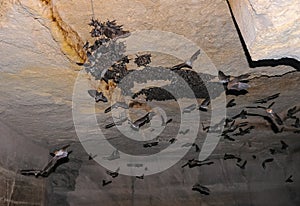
[267, 161]
[140, 122]
[234, 83]
[164, 122]
[184, 132]
[104, 182]
[48, 168]
[172, 140]
[284, 146]
[266, 99]
[91, 156]
[34, 172]
[196, 163]
[289, 179]
[202, 189]
[120, 122]
[150, 144]
[232, 127]
[243, 165]
[226, 136]
[188, 63]
[190, 108]
[140, 177]
[244, 131]
[193, 145]
[99, 96]
[57, 155]
[291, 112]
[113, 174]
[231, 156]
[231, 103]
[242, 115]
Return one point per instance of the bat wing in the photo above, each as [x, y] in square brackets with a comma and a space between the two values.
[65, 147]
[92, 92]
[108, 109]
[30, 172]
[47, 168]
[179, 66]
[194, 56]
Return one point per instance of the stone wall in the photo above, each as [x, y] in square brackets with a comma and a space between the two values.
[270, 28]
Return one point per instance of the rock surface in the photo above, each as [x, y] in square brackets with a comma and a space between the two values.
[270, 28]
[39, 44]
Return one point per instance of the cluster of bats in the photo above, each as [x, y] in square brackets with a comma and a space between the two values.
[109, 30]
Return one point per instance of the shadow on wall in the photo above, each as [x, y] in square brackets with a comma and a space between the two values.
[265, 62]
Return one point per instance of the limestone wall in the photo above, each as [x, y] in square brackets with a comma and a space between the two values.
[270, 28]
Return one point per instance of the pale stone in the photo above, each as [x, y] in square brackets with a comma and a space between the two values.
[270, 28]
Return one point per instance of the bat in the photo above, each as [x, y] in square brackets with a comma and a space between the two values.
[188, 109]
[234, 83]
[243, 165]
[267, 161]
[150, 144]
[104, 182]
[289, 179]
[266, 99]
[231, 103]
[202, 189]
[284, 146]
[97, 95]
[231, 156]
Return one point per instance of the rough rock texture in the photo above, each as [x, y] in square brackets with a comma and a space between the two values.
[270, 28]
[39, 42]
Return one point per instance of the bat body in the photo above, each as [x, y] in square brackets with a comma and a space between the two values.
[267, 161]
[99, 96]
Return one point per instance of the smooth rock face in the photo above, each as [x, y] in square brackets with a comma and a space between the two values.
[270, 28]
[39, 42]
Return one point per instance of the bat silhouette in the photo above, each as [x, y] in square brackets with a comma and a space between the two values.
[267, 161]
[266, 99]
